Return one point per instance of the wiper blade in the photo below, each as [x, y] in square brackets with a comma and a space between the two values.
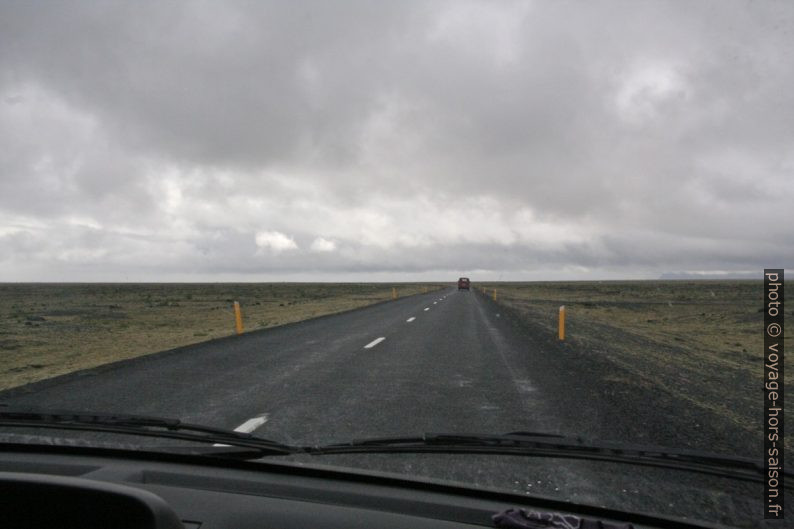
[140, 425]
[532, 444]
[448, 438]
[223, 451]
[68, 416]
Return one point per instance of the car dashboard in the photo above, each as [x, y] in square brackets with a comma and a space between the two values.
[70, 487]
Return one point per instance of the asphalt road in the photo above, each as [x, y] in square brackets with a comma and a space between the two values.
[436, 362]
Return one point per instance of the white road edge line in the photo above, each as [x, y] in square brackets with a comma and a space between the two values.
[374, 342]
[409, 320]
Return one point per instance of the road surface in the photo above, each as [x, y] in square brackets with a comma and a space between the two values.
[436, 362]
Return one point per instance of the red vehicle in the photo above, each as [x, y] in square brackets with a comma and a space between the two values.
[463, 283]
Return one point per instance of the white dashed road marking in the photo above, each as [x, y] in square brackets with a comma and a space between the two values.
[428, 308]
[249, 426]
[409, 320]
[252, 424]
[374, 342]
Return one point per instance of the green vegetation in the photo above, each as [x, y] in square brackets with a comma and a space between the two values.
[52, 329]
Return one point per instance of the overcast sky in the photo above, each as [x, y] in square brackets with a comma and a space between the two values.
[295, 140]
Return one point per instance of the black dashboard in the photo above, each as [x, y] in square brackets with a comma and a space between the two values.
[72, 487]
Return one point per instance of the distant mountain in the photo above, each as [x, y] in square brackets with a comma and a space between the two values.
[713, 275]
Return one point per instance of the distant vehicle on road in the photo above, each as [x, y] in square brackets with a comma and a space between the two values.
[463, 283]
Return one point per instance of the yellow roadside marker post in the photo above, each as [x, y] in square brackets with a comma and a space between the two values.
[494, 294]
[238, 318]
[561, 332]
[393, 293]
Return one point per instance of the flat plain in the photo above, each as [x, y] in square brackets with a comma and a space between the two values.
[51, 329]
[695, 344]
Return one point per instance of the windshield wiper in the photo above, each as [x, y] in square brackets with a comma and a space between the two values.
[526, 444]
[139, 425]
[531, 444]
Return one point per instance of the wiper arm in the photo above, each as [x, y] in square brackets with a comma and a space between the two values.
[531, 444]
[140, 425]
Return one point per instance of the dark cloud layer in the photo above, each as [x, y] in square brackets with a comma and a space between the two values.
[389, 140]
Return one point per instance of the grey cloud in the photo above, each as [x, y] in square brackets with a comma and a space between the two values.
[621, 137]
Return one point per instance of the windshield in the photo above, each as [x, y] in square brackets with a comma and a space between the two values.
[322, 222]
